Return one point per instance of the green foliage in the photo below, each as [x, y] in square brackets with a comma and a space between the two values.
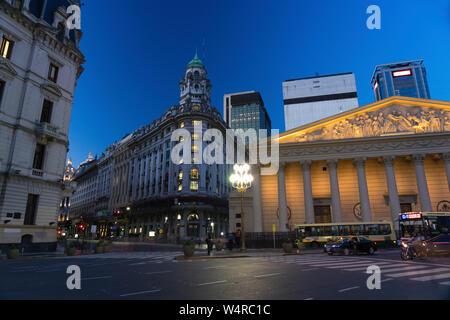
[13, 247]
[188, 243]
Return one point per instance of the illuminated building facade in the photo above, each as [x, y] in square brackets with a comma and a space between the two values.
[367, 164]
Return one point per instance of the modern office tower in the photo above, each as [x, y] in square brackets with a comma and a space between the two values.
[245, 110]
[407, 79]
[40, 63]
[307, 100]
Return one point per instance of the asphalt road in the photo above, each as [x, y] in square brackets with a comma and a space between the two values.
[263, 276]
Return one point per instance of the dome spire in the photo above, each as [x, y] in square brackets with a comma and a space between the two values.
[196, 62]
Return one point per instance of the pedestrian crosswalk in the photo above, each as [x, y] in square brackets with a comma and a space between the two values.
[390, 269]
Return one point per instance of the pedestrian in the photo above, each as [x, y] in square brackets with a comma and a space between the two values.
[230, 241]
[209, 244]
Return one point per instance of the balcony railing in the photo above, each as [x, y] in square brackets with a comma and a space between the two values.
[44, 129]
[37, 173]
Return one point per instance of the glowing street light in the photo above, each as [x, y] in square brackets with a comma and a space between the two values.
[241, 180]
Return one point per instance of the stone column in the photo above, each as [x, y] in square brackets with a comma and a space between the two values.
[282, 202]
[360, 164]
[335, 194]
[394, 200]
[158, 179]
[257, 205]
[147, 170]
[135, 178]
[446, 158]
[152, 175]
[422, 186]
[307, 190]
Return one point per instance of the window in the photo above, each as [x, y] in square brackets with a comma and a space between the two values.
[196, 108]
[46, 114]
[195, 136]
[194, 174]
[180, 175]
[2, 89]
[30, 213]
[38, 161]
[194, 148]
[196, 123]
[181, 124]
[53, 73]
[6, 48]
[194, 185]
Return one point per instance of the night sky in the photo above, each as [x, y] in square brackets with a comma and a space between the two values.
[137, 52]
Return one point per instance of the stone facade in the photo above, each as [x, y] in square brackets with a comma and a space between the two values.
[38, 74]
[389, 166]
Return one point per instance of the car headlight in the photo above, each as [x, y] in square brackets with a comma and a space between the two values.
[404, 244]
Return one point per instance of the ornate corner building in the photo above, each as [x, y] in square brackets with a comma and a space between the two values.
[367, 164]
[40, 63]
[150, 197]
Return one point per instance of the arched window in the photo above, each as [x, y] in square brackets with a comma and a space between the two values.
[194, 174]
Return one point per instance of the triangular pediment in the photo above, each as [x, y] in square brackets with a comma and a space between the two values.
[52, 89]
[390, 117]
[6, 67]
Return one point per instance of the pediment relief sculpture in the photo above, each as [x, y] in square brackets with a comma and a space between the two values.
[390, 121]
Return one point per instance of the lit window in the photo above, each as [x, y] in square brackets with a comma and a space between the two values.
[181, 124]
[196, 122]
[181, 139]
[194, 174]
[196, 108]
[180, 186]
[194, 185]
[180, 175]
[6, 48]
[194, 148]
[195, 136]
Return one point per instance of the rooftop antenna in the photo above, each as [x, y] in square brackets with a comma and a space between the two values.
[203, 47]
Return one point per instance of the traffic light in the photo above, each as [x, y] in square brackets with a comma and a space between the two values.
[81, 227]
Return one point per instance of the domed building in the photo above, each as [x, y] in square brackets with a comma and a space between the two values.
[167, 200]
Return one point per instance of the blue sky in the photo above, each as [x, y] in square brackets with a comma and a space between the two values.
[137, 51]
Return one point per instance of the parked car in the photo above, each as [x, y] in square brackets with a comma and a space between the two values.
[439, 245]
[352, 245]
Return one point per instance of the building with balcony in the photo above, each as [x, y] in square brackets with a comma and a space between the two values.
[40, 63]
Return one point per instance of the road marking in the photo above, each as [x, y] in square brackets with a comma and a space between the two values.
[435, 277]
[348, 289]
[349, 264]
[365, 268]
[412, 273]
[95, 278]
[356, 264]
[447, 283]
[159, 272]
[309, 299]
[139, 263]
[399, 269]
[141, 292]
[267, 275]
[218, 267]
[208, 283]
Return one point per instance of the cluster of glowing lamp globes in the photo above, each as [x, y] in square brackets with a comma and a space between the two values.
[241, 179]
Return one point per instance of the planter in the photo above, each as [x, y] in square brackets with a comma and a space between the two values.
[71, 251]
[107, 248]
[99, 249]
[288, 247]
[188, 250]
[12, 253]
[219, 246]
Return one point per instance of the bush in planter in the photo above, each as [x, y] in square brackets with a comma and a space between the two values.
[71, 249]
[108, 246]
[219, 245]
[188, 248]
[100, 247]
[287, 246]
[12, 252]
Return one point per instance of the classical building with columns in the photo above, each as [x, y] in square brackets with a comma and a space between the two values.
[367, 164]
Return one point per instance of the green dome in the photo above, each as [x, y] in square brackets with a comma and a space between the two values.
[196, 62]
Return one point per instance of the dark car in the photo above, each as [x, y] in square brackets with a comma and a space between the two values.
[439, 245]
[351, 245]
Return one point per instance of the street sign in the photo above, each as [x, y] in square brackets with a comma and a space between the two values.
[93, 229]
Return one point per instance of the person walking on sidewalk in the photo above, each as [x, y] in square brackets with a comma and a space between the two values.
[209, 244]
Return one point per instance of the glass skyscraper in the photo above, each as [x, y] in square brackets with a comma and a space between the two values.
[408, 79]
[245, 111]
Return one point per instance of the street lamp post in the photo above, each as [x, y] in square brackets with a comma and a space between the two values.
[241, 180]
